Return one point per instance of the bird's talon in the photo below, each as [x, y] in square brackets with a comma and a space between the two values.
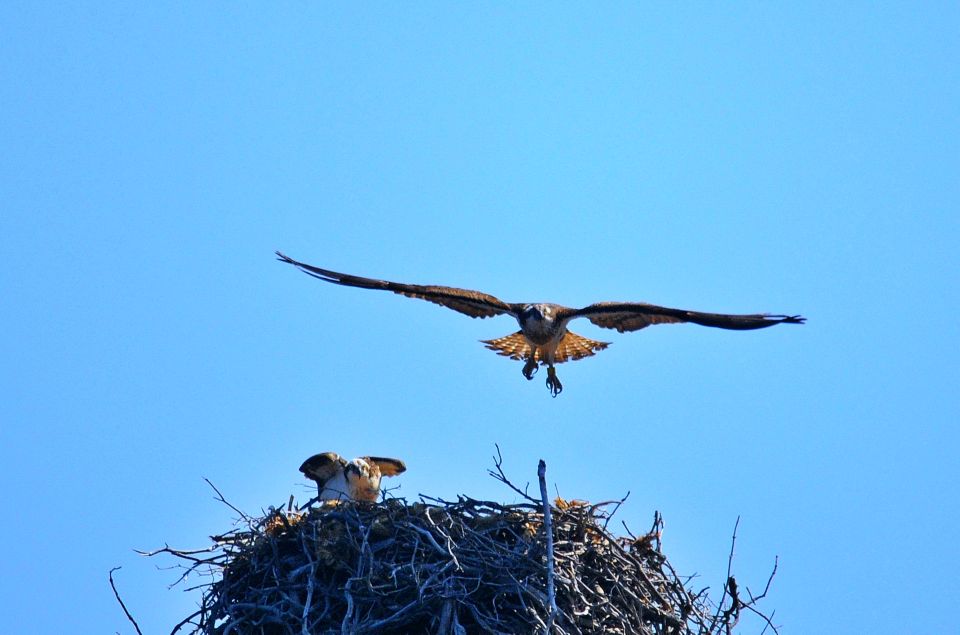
[530, 369]
[553, 384]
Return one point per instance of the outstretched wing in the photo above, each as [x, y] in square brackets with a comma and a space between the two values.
[323, 467]
[388, 467]
[472, 303]
[633, 316]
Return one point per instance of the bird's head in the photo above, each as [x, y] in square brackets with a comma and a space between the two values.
[536, 312]
[363, 480]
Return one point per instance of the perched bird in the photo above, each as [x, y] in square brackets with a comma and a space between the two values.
[358, 479]
[543, 337]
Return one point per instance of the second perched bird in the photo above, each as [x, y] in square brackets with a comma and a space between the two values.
[543, 337]
[358, 479]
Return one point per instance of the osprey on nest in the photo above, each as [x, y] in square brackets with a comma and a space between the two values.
[543, 337]
[358, 479]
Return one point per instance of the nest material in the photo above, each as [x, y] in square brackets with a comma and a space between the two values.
[440, 567]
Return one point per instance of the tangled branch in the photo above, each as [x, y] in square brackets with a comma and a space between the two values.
[446, 567]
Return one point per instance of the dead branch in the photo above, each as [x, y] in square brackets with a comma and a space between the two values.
[434, 566]
[548, 531]
[223, 500]
[116, 594]
[500, 476]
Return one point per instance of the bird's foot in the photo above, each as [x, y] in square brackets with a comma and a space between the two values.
[530, 369]
[553, 384]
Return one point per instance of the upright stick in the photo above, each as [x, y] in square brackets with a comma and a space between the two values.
[548, 528]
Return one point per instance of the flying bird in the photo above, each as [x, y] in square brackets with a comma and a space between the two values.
[543, 337]
[358, 480]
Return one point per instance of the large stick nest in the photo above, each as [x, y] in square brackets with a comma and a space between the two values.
[441, 567]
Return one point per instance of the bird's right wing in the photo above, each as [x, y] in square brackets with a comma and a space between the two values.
[472, 303]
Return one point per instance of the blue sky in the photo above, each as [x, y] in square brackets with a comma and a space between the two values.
[792, 158]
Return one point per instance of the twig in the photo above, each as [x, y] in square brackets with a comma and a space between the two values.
[186, 621]
[122, 605]
[726, 587]
[732, 615]
[224, 501]
[548, 529]
[358, 567]
[768, 620]
[616, 508]
[308, 602]
[753, 600]
[500, 476]
[346, 626]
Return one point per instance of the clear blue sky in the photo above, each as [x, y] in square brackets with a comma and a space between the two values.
[795, 158]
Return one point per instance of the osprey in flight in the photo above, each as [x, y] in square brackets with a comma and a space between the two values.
[543, 337]
[357, 480]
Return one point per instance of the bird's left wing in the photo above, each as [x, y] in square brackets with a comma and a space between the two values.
[388, 467]
[633, 316]
[323, 467]
[472, 303]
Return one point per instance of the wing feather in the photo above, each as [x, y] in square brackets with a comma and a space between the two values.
[323, 467]
[633, 316]
[388, 467]
[472, 303]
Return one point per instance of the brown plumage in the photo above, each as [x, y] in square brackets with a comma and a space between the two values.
[543, 337]
[572, 347]
[358, 480]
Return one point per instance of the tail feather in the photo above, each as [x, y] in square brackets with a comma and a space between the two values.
[572, 347]
[514, 346]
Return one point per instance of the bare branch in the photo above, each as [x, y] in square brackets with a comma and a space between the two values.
[500, 476]
[548, 530]
[224, 500]
[116, 594]
[466, 565]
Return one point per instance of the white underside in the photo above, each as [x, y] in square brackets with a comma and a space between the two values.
[336, 488]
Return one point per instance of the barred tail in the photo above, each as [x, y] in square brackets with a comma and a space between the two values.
[513, 346]
[571, 347]
[574, 347]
